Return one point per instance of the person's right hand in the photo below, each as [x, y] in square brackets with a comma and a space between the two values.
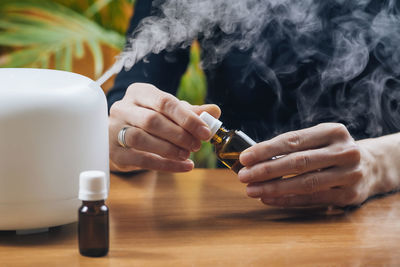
[162, 130]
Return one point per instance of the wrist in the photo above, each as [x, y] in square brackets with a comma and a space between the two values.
[379, 157]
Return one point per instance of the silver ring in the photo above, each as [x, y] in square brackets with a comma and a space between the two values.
[121, 137]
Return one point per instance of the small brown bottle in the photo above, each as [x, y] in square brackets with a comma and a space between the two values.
[228, 143]
[93, 226]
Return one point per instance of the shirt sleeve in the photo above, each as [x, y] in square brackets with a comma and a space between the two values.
[163, 70]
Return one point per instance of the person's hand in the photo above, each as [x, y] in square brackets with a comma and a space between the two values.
[330, 168]
[162, 130]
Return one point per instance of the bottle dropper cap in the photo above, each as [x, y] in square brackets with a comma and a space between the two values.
[92, 185]
[213, 123]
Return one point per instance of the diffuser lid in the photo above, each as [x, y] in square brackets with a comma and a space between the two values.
[40, 80]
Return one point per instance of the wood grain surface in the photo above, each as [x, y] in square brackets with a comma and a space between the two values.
[203, 218]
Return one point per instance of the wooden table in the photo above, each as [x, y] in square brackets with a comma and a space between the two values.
[204, 218]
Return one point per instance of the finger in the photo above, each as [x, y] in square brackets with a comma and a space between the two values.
[171, 107]
[140, 140]
[134, 158]
[298, 163]
[157, 125]
[305, 184]
[116, 168]
[211, 109]
[305, 139]
[330, 197]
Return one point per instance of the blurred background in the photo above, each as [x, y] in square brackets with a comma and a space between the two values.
[82, 36]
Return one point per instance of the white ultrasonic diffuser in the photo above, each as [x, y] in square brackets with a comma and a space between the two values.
[53, 126]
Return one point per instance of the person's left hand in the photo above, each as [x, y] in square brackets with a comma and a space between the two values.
[330, 168]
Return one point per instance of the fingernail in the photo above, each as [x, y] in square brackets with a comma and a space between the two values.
[188, 165]
[244, 175]
[269, 201]
[183, 154]
[254, 190]
[204, 132]
[247, 158]
[195, 146]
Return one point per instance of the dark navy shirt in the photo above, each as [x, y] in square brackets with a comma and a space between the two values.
[251, 102]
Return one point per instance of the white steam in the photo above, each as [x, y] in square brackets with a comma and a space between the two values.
[337, 37]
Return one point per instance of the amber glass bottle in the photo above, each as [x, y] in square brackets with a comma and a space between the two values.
[93, 225]
[228, 143]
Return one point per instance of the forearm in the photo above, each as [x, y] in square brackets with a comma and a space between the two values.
[384, 161]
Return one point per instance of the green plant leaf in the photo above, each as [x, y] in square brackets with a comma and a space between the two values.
[20, 57]
[79, 51]
[48, 27]
[193, 85]
[67, 58]
[96, 7]
[96, 51]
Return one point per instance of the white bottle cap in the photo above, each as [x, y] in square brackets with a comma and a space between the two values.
[92, 185]
[213, 123]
